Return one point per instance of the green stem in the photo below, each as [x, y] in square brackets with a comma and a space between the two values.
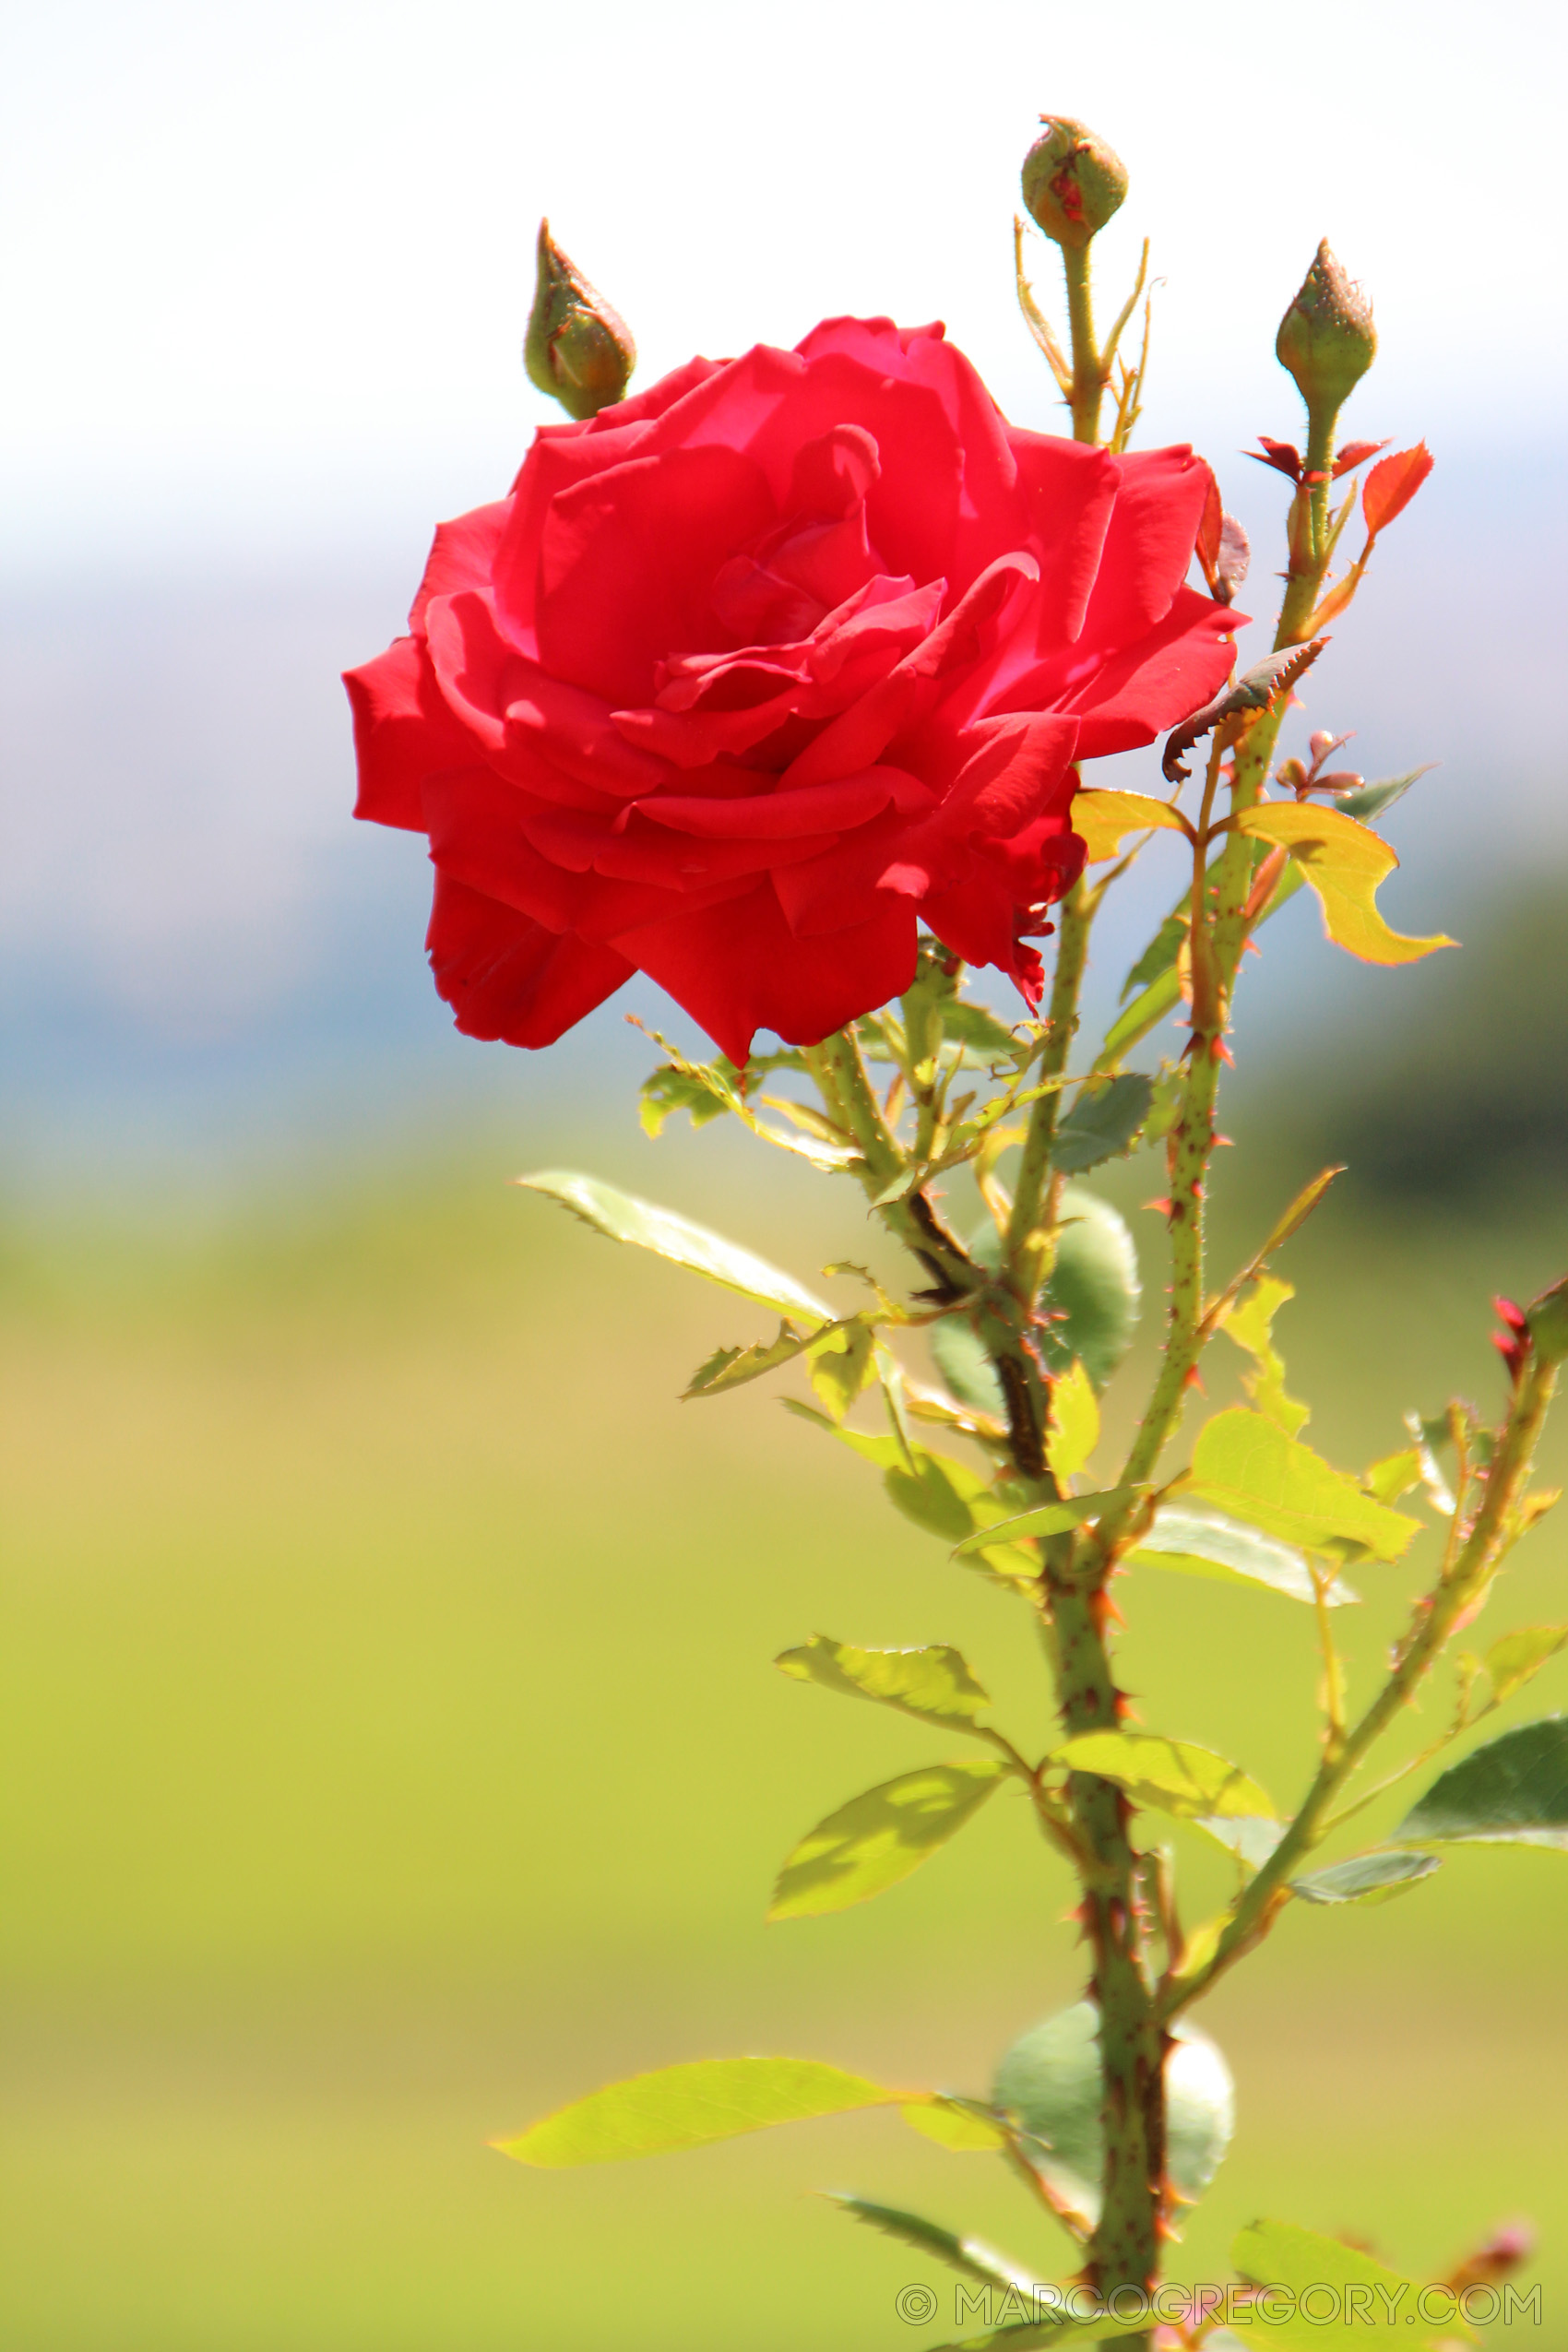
[1435, 1619]
[1089, 373]
[1027, 1245]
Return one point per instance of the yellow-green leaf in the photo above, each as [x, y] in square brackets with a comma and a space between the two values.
[960, 2125]
[1052, 1518]
[1103, 819]
[1247, 1466]
[1172, 1775]
[934, 1684]
[1344, 864]
[1075, 1422]
[877, 1839]
[686, 2107]
[623, 1218]
[1251, 1325]
[1334, 2297]
[1393, 1474]
[1518, 1657]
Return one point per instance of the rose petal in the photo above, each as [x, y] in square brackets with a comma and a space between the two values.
[506, 976]
[403, 733]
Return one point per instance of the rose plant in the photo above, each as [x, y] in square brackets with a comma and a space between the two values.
[782, 682]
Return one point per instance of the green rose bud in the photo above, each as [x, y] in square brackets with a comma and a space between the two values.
[577, 348]
[1546, 1320]
[1073, 182]
[1326, 338]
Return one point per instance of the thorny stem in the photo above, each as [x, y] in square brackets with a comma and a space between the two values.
[1027, 1243]
[1435, 1617]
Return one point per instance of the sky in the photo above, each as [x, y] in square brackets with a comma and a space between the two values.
[266, 272]
[266, 268]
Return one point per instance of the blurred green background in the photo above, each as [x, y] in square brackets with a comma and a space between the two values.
[394, 1749]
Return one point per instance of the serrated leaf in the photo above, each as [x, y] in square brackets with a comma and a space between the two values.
[1344, 864]
[687, 2107]
[623, 1218]
[1074, 1424]
[730, 1368]
[970, 2256]
[1103, 820]
[1049, 2082]
[1050, 1518]
[1366, 1878]
[1513, 1792]
[1103, 1124]
[1050, 2335]
[934, 1684]
[1394, 1475]
[1251, 1325]
[880, 1838]
[1203, 1543]
[1159, 957]
[1276, 2253]
[1172, 1775]
[1247, 1468]
[1518, 1657]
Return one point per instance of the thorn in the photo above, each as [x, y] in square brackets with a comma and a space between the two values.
[1161, 1203]
[1222, 1052]
[1224, 1143]
[1194, 1380]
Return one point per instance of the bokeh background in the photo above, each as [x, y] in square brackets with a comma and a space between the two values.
[391, 1743]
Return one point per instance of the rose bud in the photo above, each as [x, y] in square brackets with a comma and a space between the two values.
[577, 348]
[1073, 182]
[1291, 777]
[1326, 340]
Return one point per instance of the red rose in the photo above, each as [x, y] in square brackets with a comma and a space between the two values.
[753, 672]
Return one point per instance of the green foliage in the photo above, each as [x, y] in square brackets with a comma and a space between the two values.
[1093, 1287]
[687, 2107]
[730, 1368]
[1251, 1325]
[1054, 1518]
[1173, 1775]
[1366, 1878]
[1368, 2298]
[1518, 1657]
[1204, 1543]
[1247, 1466]
[1159, 955]
[1090, 1300]
[1074, 1424]
[944, 1497]
[1103, 1124]
[1049, 2083]
[703, 1091]
[1513, 1792]
[623, 1218]
[1251, 1836]
[877, 1839]
[934, 1685]
[969, 2256]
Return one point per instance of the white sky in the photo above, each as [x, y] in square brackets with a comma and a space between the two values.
[265, 269]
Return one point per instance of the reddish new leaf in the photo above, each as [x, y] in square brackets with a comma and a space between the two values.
[1209, 530]
[1355, 455]
[1281, 454]
[1390, 487]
